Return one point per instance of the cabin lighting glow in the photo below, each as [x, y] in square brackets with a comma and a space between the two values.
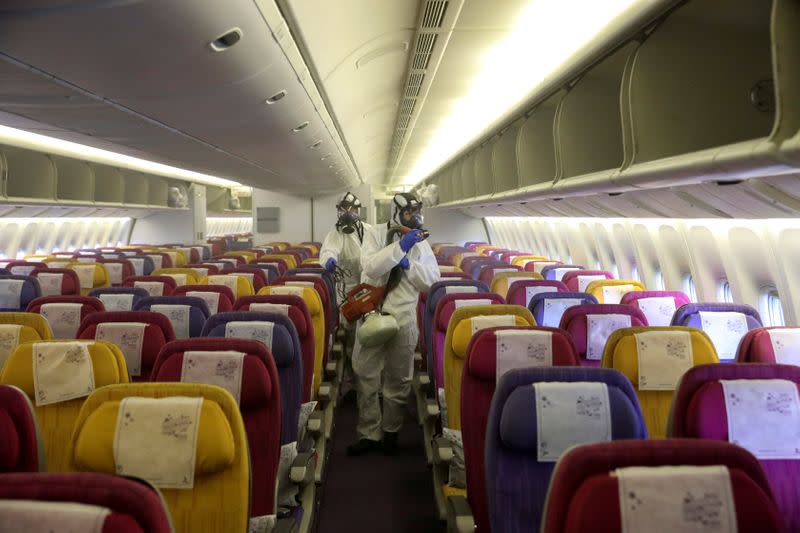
[547, 34]
[34, 141]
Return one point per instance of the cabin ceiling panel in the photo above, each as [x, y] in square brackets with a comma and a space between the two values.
[153, 85]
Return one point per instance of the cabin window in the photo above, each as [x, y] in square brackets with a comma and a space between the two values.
[634, 272]
[615, 271]
[771, 307]
[689, 288]
[659, 281]
[724, 292]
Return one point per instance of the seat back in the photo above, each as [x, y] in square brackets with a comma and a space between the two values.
[118, 270]
[657, 306]
[203, 270]
[522, 291]
[154, 285]
[539, 265]
[549, 307]
[187, 314]
[256, 276]
[160, 259]
[488, 359]
[776, 344]
[22, 449]
[56, 419]
[24, 268]
[278, 334]
[502, 281]
[90, 275]
[129, 505]
[65, 313]
[191, 254]
[255, 387]
[276, 262]
[239, 285]
[288, 260]
[181, 275]
[218, 298]
[590, 325]
[296, 309]
[611, 291]
[485, 272]
[654, 358]
[18, 328]
[464, 323]
[725, 323]
[246, 257]
[331, 312]
[557, 271]
[445, 307]
[221, 466]
[579, 280]
[739, 403]
[519, 462]
[584, 491]
[141, 338]
[326, 276]
[17, 292]
[523, 259]
[119, 298]
[270, 271]
[143, 265]
[55, 281]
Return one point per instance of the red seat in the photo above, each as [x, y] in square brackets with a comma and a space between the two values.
[65, 280]
[279, 263]
[118, 270]
[66, 328]
[135, 506]
[297, 311]
[259, 403]
[157, 332]
[24, 268]
[20, 446]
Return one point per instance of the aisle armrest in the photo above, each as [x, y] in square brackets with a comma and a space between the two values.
[286, 525]
[324, 395]
[459, 515]
[442, 450]
[302, 469]
[316, 422]
[431, 408]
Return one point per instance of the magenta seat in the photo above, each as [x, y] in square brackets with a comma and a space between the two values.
[575, 322]
[656, 315]
[574, 278]
[757, 346]
[522, 291]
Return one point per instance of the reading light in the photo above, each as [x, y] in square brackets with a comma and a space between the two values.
[300, 126]
[42, 143]
[547, 34]
[275, 97]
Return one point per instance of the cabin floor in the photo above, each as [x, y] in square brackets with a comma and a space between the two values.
[376, 493]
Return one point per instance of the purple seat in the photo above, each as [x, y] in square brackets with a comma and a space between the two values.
[541, 302]
[699, 411]
[435, 293]
[198, 312]
[575, 322]
[29, 291]
[108, 295]
[271, 271]
[522, 291]
[725, 342]
[142, 264]
[657, 315]
[555, 272]
[516, 482]
[285, 348]
[477, 267]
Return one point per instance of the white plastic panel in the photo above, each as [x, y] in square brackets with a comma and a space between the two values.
[28, 236]
[219, 226]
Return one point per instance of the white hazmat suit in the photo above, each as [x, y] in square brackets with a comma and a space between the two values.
[391, 363]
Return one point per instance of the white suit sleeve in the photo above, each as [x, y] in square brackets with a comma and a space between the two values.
[423, 268]
[331, 247]
[377, 260]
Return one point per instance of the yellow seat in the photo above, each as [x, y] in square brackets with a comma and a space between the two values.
[191, 276]
[220, 498]
[311, 260]
[243, 285]
[610, 291]
[448, 268]
[522, 260]
[32, 327]
[99, 276]
[457, 338]
[459, 258]
[439, 245]
[503, 280]
[484, 248]
[39, 258]
[276, 245]
[249, 257]
[290, 262]
[621, 354]
[176, 256]
[56, 420]
[314, 303]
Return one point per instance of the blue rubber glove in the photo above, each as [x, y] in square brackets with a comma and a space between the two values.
[329, 264]
[404, 264]
[410, 239]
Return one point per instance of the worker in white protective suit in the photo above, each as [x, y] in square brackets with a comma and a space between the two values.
[342, 247]
[412, 267]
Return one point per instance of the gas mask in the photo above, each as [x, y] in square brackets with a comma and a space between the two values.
[348, 221]
[408, 211]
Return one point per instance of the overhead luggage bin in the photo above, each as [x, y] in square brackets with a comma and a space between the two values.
[75, 179]
[536, 147]
[505, 170]
[157, 191]
[30, 175]
[136, 188]
[109, 185]
[457, 190]
[467, 172]
[588, 127]
[483, 170]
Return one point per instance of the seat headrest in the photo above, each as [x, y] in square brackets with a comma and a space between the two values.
[285, 347]
[192, 301]
[310, 297]
[10, 443]
[446, 305]
[148, 317]
[462, 332]
[93, 440]
[298, 310]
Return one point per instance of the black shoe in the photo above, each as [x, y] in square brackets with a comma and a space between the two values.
[362, 446]
[389, 443]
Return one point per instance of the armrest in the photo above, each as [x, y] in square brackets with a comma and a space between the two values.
[302, 469]
[286, 525]
[417, 357]
[431, 408]
[442, 451]
[325, 392]
[331, 368]
[316, 421]
[337, 349]
[459, 515]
